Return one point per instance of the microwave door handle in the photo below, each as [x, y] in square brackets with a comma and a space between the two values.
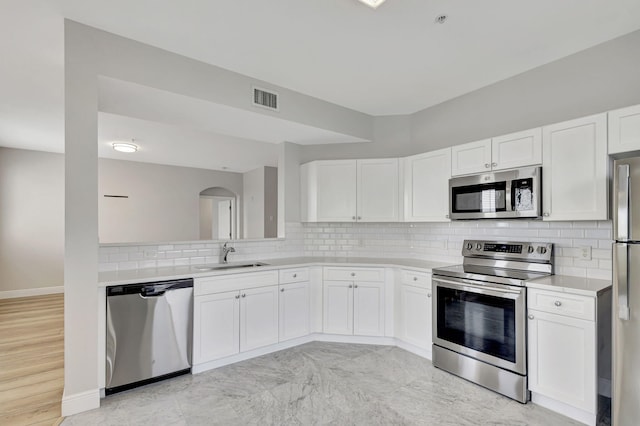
[509, 200]
[623, 203]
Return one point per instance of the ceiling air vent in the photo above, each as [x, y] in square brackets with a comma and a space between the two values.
[265, 99]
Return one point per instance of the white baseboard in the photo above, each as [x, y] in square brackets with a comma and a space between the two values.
[79, 402]
[564, 409]
[363, 340]
[11, 294]
[424, 353]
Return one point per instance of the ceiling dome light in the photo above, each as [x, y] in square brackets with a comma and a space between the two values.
[373, 3]
[125, 146]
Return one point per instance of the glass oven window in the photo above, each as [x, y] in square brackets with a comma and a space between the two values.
[477, 321]
[484, 198]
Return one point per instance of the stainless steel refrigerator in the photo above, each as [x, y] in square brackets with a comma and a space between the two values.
[625, 404]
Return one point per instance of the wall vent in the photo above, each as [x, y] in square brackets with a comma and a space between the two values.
[265, 99]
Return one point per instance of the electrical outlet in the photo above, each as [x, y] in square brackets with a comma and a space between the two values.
[585, 253]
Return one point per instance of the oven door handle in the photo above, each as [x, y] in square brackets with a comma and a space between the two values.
[466, 283]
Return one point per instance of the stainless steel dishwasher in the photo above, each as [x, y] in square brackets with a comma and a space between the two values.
[149, 333]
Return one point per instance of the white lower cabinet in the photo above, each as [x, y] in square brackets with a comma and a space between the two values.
[294, 310]
[258, 317]
[563, 352]
[352, 304]
[216, 326]
[416, 312]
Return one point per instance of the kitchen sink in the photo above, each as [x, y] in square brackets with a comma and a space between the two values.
[204, 268]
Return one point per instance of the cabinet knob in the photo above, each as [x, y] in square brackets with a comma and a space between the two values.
[359, 217]
[530, 316]
[244, 295]
[415, 278]
[295, 275]
[353, 217]
[446, 216]
[428, 294]
[545, 214]
[355, 286]
[350, 285]
[487, 165]
[353, 274]
[237, 296]
[494, 164]
[557, 303]
[282, 290]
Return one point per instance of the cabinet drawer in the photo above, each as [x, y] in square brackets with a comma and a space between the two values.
[354, 274]
[419, 279]
[234, 282]
[294, 275]
[562, 304]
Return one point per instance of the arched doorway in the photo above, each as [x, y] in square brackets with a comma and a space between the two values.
[218, 214]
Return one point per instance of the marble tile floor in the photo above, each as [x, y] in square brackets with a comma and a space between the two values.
[319, 383]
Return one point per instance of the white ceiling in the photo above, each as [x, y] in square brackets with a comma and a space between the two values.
[392, 60]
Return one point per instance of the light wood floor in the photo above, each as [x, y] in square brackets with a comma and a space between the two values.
[31, 360]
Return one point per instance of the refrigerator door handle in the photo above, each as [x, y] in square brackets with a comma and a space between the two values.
[622, 279]
[622, 229]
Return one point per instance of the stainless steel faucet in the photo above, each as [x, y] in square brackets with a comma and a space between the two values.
[225, 252]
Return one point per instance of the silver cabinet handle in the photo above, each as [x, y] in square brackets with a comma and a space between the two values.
[237, 296]
[282, 290]
[545, 214]
[487, 165]
[415, 278]
[350, 285]
[244, 295]
[295, 275]
[557, 303]
[428, 294]
[530, 316]
[494, 164]
[622, 227]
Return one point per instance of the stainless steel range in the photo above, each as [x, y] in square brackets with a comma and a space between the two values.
[479, 324]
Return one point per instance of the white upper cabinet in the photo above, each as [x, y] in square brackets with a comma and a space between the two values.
[472, 157]
[426, 186]
[350, 190]
[517, 149]
[574, 172]
[503, 152]
[624, 130]
[378, 198]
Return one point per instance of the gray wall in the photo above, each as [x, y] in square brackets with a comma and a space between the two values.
[595, 80]
[163, 203]
[31, 219]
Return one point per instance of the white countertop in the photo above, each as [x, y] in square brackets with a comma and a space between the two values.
[566, 284]
[132, 276]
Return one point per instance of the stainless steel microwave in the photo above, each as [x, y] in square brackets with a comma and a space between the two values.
[506, 194]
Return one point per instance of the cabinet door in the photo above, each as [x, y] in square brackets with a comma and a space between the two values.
[378, 197]
[562, 359]
[426, 186]
[338, 307]
[517, 149]
[336, 191]
[294, 310]
[368, 309]
[473, 157]
[258, 317]
[624, 130]
[416, 316]
[216, 326]
[574, 169]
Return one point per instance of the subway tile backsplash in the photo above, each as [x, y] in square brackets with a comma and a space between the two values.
[427, 241]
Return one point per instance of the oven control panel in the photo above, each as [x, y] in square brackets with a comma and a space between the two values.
[523, 251]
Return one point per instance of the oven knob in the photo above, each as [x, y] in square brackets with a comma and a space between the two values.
[469, 246]
[542, 250]
[478, 246]
[530, 249]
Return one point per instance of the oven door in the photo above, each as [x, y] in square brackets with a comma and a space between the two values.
[483, 320]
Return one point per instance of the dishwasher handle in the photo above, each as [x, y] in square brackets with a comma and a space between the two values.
[152, 289]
